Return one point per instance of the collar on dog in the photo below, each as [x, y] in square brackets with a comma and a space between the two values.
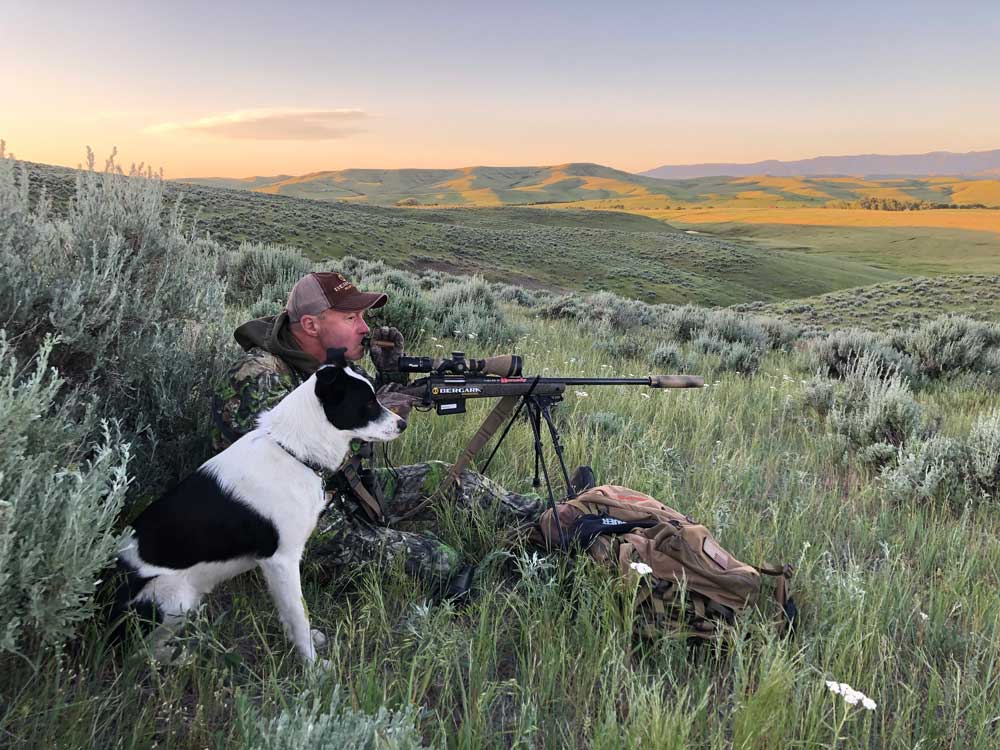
[316, 468]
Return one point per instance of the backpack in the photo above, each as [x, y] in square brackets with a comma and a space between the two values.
[625, 529]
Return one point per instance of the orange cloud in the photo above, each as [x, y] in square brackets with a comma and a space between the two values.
[272, 124]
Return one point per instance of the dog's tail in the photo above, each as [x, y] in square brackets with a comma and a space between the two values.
[129, 583]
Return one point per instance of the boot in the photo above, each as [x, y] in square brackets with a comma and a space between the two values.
[458, 588]
[583, 479]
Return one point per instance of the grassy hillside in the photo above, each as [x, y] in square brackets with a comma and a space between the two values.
[924, 242]
[565, 250]
[898, 304]
[596, 186]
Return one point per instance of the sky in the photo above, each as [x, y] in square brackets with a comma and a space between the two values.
[237, 89]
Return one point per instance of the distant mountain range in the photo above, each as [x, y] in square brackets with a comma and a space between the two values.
[971, 164]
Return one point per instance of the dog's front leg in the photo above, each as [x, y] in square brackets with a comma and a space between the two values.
[282, 576]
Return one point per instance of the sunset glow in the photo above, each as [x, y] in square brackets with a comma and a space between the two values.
[245, 88]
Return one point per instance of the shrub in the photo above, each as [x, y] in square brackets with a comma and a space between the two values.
[872, 407]
[781, 334]
[618, 346]
[735, 329]
[567, 307]
[741, 358]
[984, 454]
[683, 324]
[520, 296]
[949, 345]
[59, 497]
[706, 344]
[603, 308]
[667, 356]
[466, 307]
[928, 469]
[258, 271]
[314, 723]
[819, 394]
[133, 303]
[838, 352]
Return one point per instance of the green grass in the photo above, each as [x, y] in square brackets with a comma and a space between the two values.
[897, 304]
[909, 250]
[898, 599]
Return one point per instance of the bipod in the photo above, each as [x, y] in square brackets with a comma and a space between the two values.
[540, 408]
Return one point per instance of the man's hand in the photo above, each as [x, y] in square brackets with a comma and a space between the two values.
[398, 403]
[386, 358]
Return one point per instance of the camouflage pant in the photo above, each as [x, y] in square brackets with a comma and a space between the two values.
[344, 538]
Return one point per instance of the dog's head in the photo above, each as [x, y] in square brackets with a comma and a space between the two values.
[349, 401]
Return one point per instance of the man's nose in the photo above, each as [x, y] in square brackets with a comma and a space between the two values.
[364, 327]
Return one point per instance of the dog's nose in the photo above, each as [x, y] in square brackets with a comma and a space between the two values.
[401, 424]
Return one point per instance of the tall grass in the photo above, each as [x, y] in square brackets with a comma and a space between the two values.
[896, 601]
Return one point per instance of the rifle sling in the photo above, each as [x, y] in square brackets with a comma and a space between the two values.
[371, 504]
[500, 414]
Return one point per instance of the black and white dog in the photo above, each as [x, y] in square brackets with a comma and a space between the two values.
[255, 503]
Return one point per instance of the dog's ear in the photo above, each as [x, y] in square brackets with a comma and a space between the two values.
[336, 356]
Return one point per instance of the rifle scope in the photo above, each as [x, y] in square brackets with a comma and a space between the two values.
[505, 366]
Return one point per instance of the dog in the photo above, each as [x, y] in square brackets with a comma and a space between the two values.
[254, 504]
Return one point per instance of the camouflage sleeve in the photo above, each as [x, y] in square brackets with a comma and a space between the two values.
[253, 385]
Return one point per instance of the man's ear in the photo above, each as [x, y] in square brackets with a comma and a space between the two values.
[336, 356]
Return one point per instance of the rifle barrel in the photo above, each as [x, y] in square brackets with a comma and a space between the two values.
[653, 381]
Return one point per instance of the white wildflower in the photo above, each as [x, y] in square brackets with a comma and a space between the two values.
[644, 395]
[851, 696]
[439, 346]
[581, 394]
[641, 568]
[924, 616]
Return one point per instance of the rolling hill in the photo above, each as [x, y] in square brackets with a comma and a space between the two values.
[595, 186]
[633, 255]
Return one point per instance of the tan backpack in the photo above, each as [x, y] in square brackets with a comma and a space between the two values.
[682, 555]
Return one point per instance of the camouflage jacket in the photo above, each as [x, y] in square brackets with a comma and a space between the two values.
[256, 383]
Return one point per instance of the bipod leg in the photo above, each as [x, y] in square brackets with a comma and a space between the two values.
[557, 447]
[535, 410]
[536, 428]
[503, 434]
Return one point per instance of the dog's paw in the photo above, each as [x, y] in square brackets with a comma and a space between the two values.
[319, 639]
[320, 665]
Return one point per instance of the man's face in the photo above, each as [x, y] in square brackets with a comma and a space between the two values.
[342, 329]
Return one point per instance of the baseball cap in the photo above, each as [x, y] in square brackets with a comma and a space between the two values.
[316, 292]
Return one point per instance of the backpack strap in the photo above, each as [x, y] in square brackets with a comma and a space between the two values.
[783, 574]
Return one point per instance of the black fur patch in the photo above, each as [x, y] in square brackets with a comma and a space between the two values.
[128, 585]
[198, 521]
[348, 403]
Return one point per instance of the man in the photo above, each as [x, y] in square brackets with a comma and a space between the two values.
[325, 310]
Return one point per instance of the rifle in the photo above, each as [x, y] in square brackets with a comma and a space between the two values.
[449, 383]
